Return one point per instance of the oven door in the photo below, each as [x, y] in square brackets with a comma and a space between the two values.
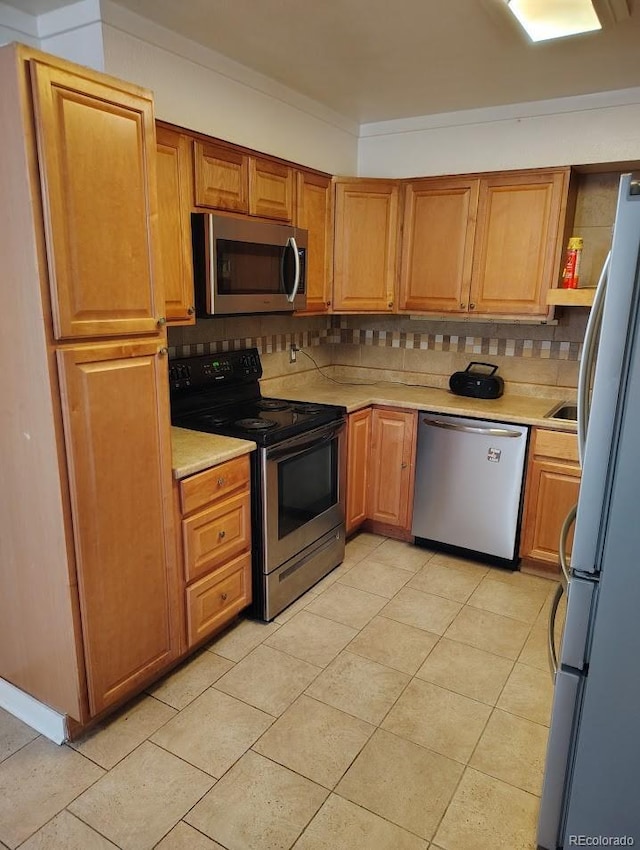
[302, 491]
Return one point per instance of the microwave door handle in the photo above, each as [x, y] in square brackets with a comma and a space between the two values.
[291, 243]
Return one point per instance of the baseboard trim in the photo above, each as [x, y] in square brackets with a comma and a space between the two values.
[36, 714]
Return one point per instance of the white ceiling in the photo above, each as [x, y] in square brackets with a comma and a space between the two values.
[374, 60]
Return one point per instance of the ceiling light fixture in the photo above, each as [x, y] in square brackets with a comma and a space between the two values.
[547, 19]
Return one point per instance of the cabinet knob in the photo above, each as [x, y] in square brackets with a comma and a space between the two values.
[162, 352]
[161, 321]
[328, 303]
[472, 306]
[220, 482]
[222, 534]
[463, 306]
[191, 310]
[223, 596]
[403, 466]
[390, 304]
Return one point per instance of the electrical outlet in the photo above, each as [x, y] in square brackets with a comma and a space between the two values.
[293, 353]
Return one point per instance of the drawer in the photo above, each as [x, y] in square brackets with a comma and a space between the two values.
[557, 444]
[215, 599]
[216, 535]
[216, 483]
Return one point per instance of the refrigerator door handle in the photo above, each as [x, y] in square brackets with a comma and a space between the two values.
[562, 547]
[551, 636]
[588, 359]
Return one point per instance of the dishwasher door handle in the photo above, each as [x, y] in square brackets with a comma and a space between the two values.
[472, 429]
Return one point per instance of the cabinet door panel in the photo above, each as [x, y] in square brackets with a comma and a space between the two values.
[96, 147]
[518, 240]
[270, 189]
[120, 476]
[439, 227]
[358, 444]
[313, 214]
[221, 178]
[174, 224]
[552, 490]
[366, 239]
[392, 461]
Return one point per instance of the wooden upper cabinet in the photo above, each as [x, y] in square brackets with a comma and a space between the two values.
[119, 459]
[175, 177]
[314, 214]
[271, 189]
[358, 445]
[96, 154]
[221, 177]
[437, 249]
[365, 248]
[392, 460]
[518, 241]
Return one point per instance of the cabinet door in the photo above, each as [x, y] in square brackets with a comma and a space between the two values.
[96, 153]
[393, 444]
[518, 241]
[314, 214]
[358, 444]
[437, 249]
[221, 177]
[366, 240]
[119, 461]
[551, 491]
[174, 224]
[270, 189]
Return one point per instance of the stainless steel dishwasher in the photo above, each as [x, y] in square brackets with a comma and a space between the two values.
[468, 489]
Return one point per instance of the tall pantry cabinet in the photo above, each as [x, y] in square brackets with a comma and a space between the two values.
[87, 554]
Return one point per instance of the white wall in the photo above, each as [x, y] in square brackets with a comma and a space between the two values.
[203, 90]
[17, 26]
[567, 131]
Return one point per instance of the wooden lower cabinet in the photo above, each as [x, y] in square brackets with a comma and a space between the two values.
[381, 446]
[551, 490]
[119, 463]
[392, 466]
[214, 513]
[358, 443]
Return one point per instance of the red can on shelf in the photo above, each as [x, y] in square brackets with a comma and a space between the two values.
[571, 270]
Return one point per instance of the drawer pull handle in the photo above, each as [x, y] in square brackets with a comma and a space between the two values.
[222, 534]
[220, 482]
[223, 596]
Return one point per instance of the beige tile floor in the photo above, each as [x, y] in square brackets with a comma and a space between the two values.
[403, 703]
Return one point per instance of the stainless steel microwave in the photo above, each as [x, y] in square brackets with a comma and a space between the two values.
[243, 266]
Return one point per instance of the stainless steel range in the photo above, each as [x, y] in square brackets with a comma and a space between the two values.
[297, 485]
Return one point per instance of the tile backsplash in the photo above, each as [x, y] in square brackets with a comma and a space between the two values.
[397, 347]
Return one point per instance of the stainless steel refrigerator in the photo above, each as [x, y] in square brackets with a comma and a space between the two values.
[591, 793]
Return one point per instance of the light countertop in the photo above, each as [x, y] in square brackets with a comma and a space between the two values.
[527, 410]
[194, 451]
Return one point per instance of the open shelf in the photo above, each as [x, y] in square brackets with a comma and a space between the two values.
[571, 297]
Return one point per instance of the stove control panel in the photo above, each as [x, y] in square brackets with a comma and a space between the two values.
[228, 367]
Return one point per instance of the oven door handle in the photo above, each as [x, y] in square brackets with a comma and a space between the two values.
[303, 445]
